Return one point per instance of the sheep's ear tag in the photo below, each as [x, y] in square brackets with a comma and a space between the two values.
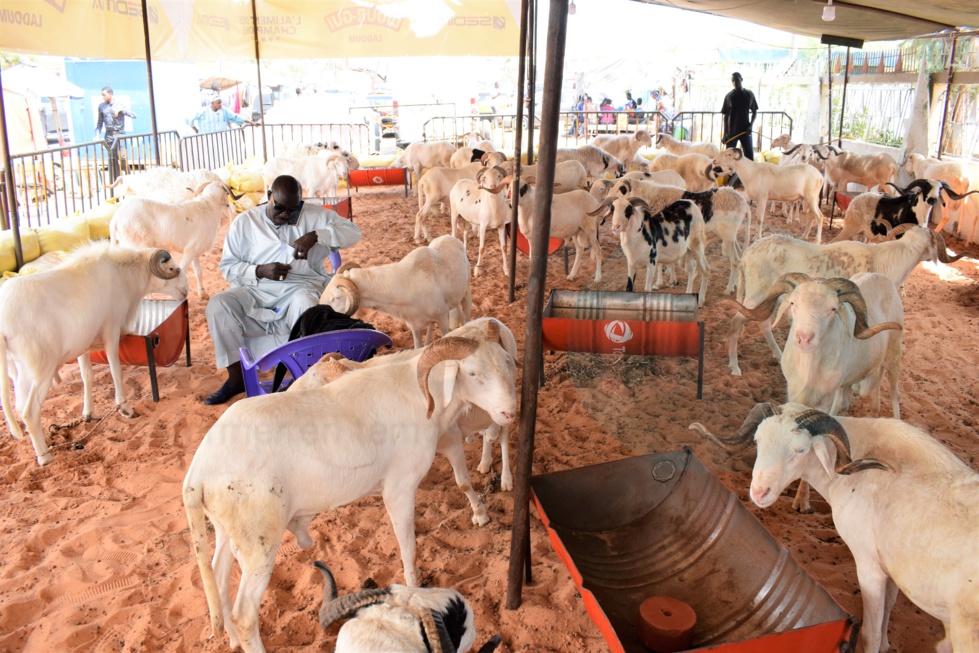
[449, 381]
[821, 447]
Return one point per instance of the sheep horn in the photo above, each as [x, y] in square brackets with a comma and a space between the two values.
[640, 202]
[493, 331]
[603, 207]
[943, 256]
[739, 154]
[157, 261]
[951, 193]
[784, 284]
[848, 292]
[436, 632]
[350, 265]
[491, 644]
[759, 413]
[788, 152]
[894, 232]
[351, 288]
[818, 152]
[334, 609]
[659, 137]
[451, 348]
[819, 423]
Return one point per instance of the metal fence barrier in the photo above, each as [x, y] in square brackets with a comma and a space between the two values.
[707, 126]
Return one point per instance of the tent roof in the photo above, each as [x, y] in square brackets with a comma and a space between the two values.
[869, 20]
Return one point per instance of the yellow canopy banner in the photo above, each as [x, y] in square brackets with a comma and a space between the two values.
[216, 30]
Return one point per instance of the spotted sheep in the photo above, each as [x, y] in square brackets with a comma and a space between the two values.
[955, 178]
[568, 175]
[874, 214]
[723, 210]
[771, 257]
[668, 236]
[400, 619]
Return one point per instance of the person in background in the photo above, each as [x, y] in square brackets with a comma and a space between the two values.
[273, 260]
[629, 102]
[738, 104]
[215, 118]
[112, 116]
[606, 108]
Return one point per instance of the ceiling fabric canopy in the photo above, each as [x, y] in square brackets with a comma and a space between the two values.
[217, 30]
[868, 20]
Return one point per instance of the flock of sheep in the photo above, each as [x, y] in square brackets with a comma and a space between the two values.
[346, 430]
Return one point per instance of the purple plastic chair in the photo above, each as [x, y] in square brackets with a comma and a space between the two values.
[300, 354]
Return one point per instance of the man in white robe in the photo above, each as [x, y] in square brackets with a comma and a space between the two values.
[273, 258]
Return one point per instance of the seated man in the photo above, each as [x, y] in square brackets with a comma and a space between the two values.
[273, 258]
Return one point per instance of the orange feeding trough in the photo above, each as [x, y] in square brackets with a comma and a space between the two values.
[646, 324]
[661, 526]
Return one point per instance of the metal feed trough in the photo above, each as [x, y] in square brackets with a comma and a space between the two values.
[663, 525]
[646, 324]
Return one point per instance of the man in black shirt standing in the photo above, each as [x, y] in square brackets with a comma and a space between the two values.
[112, 117]
[737, 125]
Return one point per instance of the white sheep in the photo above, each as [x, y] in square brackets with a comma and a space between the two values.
[421, 156]
[597, 161]
[482, 206]
[400, 619]
[870, 170]
[302, 453]
[910, 517]
[693, 167]
[665, 177]
[430, 284]
[472, 420]
[624, 147]
[436, 185]
[769, 258]
[163, 184]
[679, 148]
[763, 181]
[189, 227]
[667, 236]
[568, 175]
[571, 219]
[953, 173]
[49, 318]
[318, 175]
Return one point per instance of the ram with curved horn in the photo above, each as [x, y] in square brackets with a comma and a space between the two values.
[372, 430]
[428, 286]
[955, 175]
[400, 619]
[872, 214]
[83, 304]
[906, 507]
[765, 261]
[481, 206]
[831, 346]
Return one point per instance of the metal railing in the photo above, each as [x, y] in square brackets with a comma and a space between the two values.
[50, 184]
[708, 126]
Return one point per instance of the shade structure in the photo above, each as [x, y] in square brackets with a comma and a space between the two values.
[222, 30]
[25, 78]
[867, 20]
[223, 83]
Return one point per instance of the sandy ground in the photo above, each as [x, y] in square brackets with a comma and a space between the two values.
[95, 554]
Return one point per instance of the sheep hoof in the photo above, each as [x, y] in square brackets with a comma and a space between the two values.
[804, 510]
[481, 518]
[204, 296]
[484, 469]
[506, 484]
[735, 371]
[127, 411]
[476, 271]
[86, 417]
[44, 458]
